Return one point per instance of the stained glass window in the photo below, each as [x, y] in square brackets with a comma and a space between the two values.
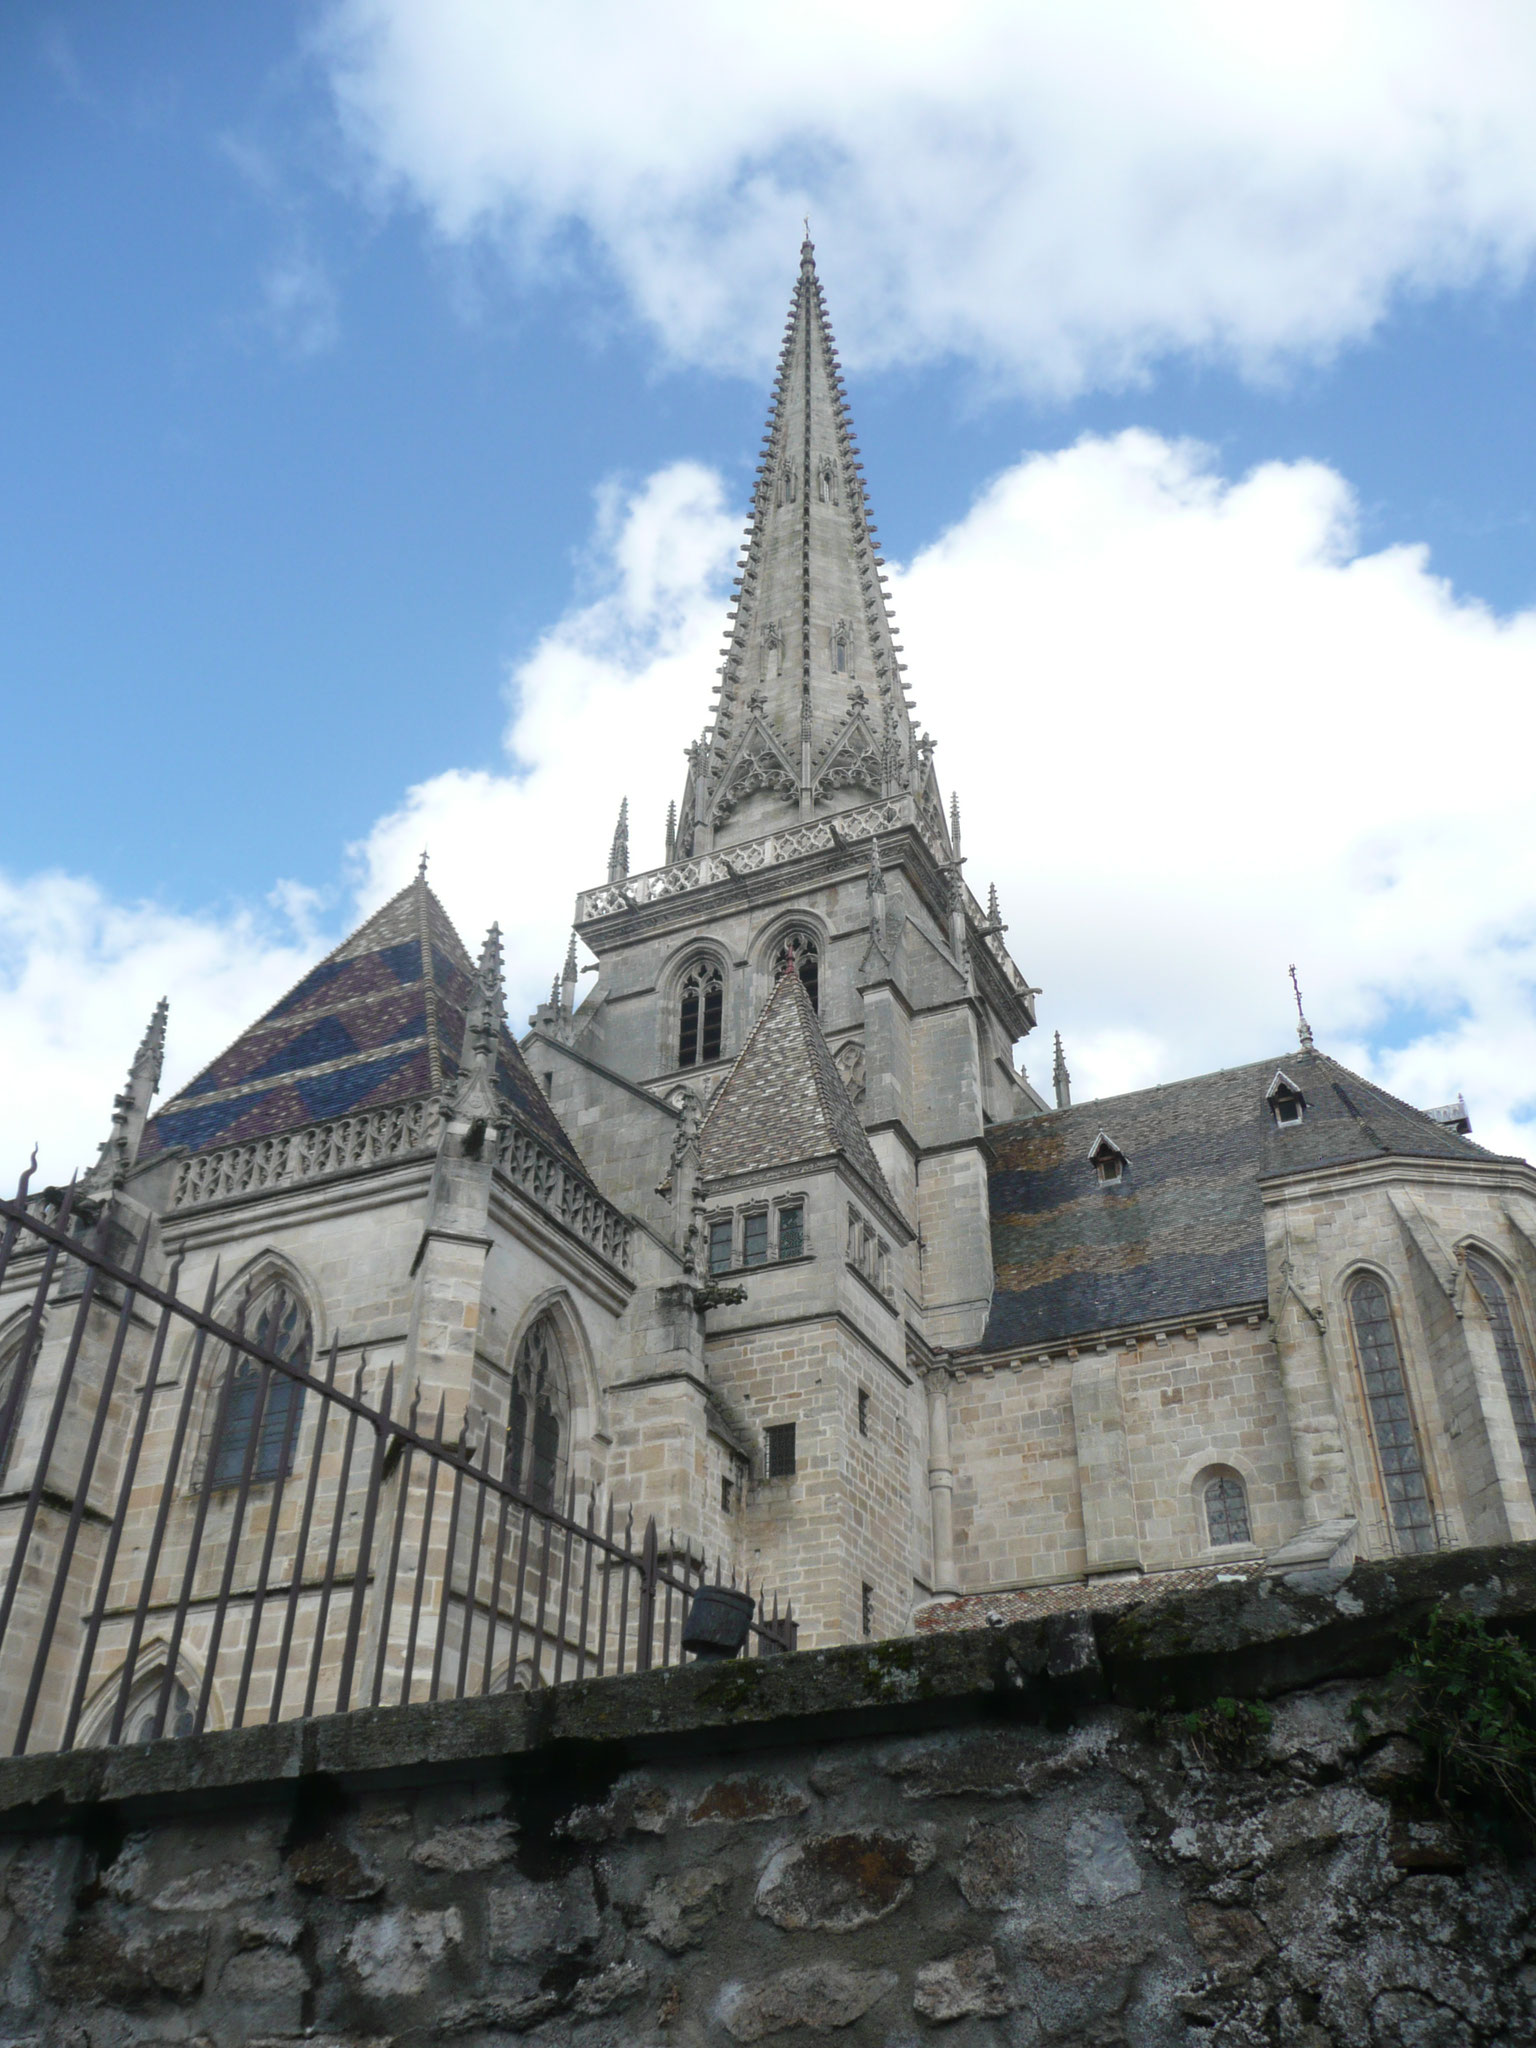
[1514, 1360]
[279, 1323]
[1386, 1394]
[1226, 1510]
[539, 1420]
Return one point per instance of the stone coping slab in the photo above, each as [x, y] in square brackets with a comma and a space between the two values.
[1247, 1639]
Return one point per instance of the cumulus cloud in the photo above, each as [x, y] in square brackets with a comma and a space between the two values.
[1062, 194]
[80, 974]
[1197, 734]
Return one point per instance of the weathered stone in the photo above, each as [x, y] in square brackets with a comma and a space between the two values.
[262, 1973]
[98, 1963]
[841, 1881]
[678, 1909]
[733, 1800]
[394, 1955]
[987, 1765]
[994, 1869]
[531, 1922]
[1408, 2019]
[514, 2015]
[330, 1866]
[960, 1984]
[821, 1996]
[215, 1891]
[473, 1845]
[1318, 1820]
[1317, 1729]
[1428, 1845]
[633, 1807]
[605, 1990]
[1230, 1938]
[1101, 1864]
[268, 1930]
[1396, 1764]
[1067, 1961]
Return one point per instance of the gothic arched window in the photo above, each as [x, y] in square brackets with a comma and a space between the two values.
[279, 1322]
[700, 1014]
[12, 1369]
[1514, 1358]
[1386, 1396]
[538, 1423]
[1226, 1510]
[799, 950]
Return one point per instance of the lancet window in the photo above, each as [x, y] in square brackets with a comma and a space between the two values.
[13, 1369]
[1392, 1425]
[1514, 1358]
[799, 950]
[538, 1423]
[700, 1014]
[279, 1323]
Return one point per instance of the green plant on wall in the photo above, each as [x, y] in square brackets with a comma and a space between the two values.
[1472, 1697]
[1226, 1732]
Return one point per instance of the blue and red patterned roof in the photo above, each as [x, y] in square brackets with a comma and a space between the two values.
[380, 1020]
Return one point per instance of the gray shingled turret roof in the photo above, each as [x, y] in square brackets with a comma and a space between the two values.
[1182, 1233]
[784, 1101]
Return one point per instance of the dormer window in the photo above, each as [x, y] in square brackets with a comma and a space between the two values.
[1287, 1104]
[1107, 1160]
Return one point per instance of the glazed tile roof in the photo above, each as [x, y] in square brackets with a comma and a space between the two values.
[380, 1020]
[785, 1101]
[1183, 1232]
[1096, 1596]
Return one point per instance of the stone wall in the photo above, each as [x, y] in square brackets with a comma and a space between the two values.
[1002, 1837]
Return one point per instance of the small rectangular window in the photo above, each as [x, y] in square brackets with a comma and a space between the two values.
[725, 1493]
[720, 1245]
[781, 1450]
[754, 1247]
[867, 1609]
[863, 1411]
[791, 1230]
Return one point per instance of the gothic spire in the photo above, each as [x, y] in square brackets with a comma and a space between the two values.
[475, 1096]
[1062, 1078]
[812, 715]
[618, 853]
[568, 975]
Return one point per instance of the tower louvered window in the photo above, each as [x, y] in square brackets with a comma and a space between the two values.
[800, 951]
[1514, 1360]
[700, 1014]
[1386, 1394]
[279, 1322]
[538, 1421]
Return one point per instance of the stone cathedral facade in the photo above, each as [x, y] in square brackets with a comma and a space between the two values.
[770, 1236]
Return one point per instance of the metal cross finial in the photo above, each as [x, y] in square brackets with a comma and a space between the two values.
[1303, 1028]
[421, 866]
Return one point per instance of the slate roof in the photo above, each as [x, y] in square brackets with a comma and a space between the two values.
[380, 1020]
[785, 1101]
[1183, 1232]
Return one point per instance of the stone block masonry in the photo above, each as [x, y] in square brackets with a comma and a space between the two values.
[881, 1844]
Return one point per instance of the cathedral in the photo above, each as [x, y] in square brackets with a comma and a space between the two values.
[762, 1230]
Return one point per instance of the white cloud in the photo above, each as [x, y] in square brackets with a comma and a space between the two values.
[1196, 734]
[79, 976]
[1060, 193]
[299, 310]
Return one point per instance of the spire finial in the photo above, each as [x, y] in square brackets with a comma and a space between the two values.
[1061, 1078]
[954, 822]
[568, 979]
[421, 866]
[1303, 1028]
[618, 853]
[671, 833]
[130, 1110]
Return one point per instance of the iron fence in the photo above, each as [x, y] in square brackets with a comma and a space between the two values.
[353, 1555]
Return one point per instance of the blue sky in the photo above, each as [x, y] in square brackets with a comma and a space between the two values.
[324, 421]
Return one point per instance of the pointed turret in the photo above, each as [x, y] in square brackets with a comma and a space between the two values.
[784, 1101]
[1062, 1078]
[130, 1110]
[671, 833]
[618, 853]
[812, 715]
[568, 978]
[475, 1097]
